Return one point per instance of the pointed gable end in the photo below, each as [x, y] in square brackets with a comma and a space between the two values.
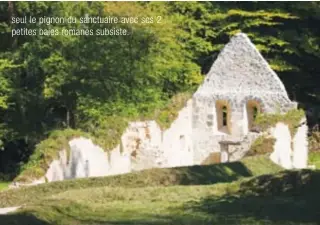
[241, 68]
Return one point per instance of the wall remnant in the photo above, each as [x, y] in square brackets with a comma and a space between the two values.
[215, 125]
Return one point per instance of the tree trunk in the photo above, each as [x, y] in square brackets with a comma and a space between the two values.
[68, 118]
[11, 13]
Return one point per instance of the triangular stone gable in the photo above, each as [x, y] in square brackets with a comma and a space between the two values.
[241, 68]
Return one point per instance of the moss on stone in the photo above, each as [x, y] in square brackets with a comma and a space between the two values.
[262, 145]
[106, 133]
[166, 115]
[45, 152]
[48, 150]
[292, 118]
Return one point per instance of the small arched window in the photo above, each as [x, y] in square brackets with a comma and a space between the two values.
[253, 109]
[223, 116]
[255, 112]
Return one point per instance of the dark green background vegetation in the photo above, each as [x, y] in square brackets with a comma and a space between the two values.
[96, 84]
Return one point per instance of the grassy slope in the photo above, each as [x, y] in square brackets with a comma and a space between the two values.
[314, 159]
[195, 175]
[253, 201]
[207, 204]
[4, 185]
[289, 197]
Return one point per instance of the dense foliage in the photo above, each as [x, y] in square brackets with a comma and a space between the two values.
[97, 83]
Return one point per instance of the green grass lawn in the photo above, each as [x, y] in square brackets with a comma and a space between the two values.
[314, 159]
[4, 185]
[194, 175]
[252, 191]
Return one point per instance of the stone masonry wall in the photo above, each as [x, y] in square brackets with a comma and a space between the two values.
[143, 145]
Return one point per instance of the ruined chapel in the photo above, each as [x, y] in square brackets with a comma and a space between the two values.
[215, 125]
[239, 85]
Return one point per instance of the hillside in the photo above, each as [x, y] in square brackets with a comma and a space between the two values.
[194, 175]
[195, 195]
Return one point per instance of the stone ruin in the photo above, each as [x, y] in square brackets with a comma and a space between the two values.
[215, 126]
[239, 84]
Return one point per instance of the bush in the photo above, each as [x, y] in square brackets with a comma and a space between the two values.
[4, 177]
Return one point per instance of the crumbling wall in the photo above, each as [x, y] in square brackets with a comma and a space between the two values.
[86, 160]
[143, 145]
[177, 140]
[290, 152]
[237, 152]
[300, 146]
[169, 148]
[282, 152]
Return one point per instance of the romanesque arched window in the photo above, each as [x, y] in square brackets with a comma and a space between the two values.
[255, 112]
[253, 109]
[223, 116]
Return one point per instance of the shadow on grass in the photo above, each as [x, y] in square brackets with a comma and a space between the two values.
[193, 175]
[211, 174]
[294, 182]
[290, 197]
[285, 198]
[21, 218]
[271, 210]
